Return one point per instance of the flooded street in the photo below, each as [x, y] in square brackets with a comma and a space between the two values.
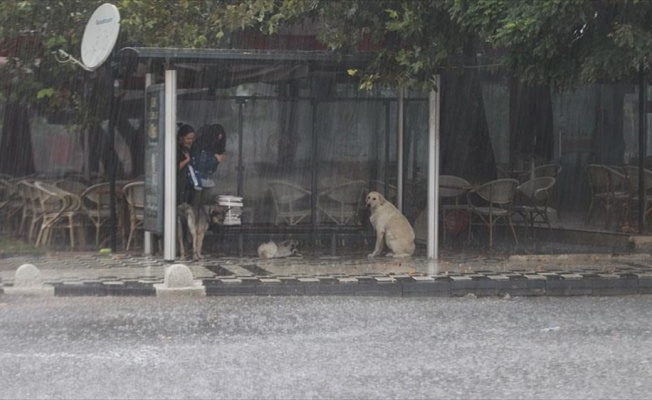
[335, 347]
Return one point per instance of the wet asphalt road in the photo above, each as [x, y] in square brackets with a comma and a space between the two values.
[326, 347]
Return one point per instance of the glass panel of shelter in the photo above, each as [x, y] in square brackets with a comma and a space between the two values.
[310, 142]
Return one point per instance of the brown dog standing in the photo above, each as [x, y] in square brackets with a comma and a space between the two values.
[392, 228]
[197, 221]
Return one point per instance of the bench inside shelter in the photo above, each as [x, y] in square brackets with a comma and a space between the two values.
[327, 236]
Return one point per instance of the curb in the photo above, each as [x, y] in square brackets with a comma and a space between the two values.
[480, 285]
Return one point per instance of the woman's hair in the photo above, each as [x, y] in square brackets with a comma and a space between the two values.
[184, 129]
[211, 138]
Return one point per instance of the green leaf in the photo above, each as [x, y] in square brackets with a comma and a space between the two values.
[45, 93]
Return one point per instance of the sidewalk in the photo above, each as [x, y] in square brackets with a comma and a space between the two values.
[93, 274]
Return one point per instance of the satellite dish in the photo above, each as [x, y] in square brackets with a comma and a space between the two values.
[100, 36]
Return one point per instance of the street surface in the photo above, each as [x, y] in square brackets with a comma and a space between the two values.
[326, 347]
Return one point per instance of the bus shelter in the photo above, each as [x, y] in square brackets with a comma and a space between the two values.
[291, 116]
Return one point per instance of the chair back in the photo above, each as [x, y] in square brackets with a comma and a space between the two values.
[618, 177]
[342, 203]
[28, 193]
[96, 198]
[599, 179]
[135, 195]
[499, 191]
[71, 186]
[451, 186]
[631, 171]
[8, 190]
[51, 201]
[537, 189]
[347, 193]
[287, 193]
[291, 201]
[551, 170]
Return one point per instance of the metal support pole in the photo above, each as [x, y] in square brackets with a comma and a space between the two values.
[114, 158]
[170, 167]
[315, 159]
[386, 174]
[642, 146]
[241, 103]
[433, 170]
[147, 241]
[399, 149]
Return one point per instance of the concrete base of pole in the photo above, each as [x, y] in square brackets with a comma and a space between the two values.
[28, 282]
[179, 281]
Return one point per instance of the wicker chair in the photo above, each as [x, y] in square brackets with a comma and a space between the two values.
[490, 204]
[292, 202]
[342, 203]
[135, 196]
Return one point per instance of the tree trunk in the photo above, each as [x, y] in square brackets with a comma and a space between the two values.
[465, 142]
[530, 124]
[16, 156]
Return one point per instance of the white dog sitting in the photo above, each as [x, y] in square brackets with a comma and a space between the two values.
[392, 228]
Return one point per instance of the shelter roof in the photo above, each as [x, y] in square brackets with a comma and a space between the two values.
[202, 56]
[227, 67]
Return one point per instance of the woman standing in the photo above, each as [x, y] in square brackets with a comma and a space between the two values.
[208, 151]
[185, 188]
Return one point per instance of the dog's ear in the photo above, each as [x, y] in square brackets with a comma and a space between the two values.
[381, 199]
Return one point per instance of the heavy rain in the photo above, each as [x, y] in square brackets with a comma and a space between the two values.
[308, 148]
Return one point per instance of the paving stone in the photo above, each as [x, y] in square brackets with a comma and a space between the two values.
[131, 289]
[645, 284]
[231, 290]
[308, 280]
[569, 287]
[533, 277]
[250, 280]
[498, 277]
[434, 288]
[520, 286]
[269, 280]
[402, 277]
[550, 275]
[290, 281]
[392, 289]
[231, 281]
[365, 279]
[326, 289]
[279, 289]
[571, 276]
[349, 281]
[615, 287]
[387, 279]
[85, 289]
[480, 286]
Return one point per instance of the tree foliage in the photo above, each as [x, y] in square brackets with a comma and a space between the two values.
[560, 42]
[564, 43]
